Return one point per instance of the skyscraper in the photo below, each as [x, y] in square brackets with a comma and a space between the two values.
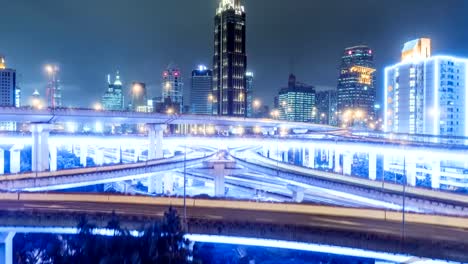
[7, 85]
[113, 99]
[8, 92]
[200, 94]
[356, 84]
[426, 94]
[297, 102]
[139, 101]
[172, 90]
[54, 89]
[249, 92]
[326, 105]
[230, 60]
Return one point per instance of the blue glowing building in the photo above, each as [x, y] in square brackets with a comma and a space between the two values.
[426, 94]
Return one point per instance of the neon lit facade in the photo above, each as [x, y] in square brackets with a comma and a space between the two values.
[427, 96]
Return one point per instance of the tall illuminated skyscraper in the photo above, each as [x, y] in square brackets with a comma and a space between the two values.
[54, 89]
[356, 84]
[172, 90]
[230, 60]
[249, 93]
[200, 92]
[8, 89]
[8, 92]
[113, 99]
[426, 94]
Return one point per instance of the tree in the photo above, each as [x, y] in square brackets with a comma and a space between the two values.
[160, 242]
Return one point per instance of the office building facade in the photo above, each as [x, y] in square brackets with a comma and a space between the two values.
[113, 98]
[356, 84]
[8, 92]
[54, 87]
[201, 91]
[7, 85]
[230, 60]
[172, 90]
[297, 102]
[326, 104]
[426, 94]
[249, 78]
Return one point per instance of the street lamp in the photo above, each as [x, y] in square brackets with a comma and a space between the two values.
[170, 111]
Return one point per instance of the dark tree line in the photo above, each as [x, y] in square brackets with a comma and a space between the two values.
[160, 242]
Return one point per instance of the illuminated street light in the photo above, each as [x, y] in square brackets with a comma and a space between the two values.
[275, 113]
[97, 106]
[170, 111]
[256, 104]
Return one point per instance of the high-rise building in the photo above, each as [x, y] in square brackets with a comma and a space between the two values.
[172, 90]
[249, 78]
[8, 92]
[356, 85]
[230, 60]
[54, 88]
[139, 101]
[113, 99]
[417, 49]
[426, 94]
[297, 102]
[326, 103]
[200, 94]
[7, 85]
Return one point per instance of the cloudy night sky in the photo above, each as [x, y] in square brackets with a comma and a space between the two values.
[90, 38]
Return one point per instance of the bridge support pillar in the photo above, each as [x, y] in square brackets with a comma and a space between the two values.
[99, 156]
[219, 187]
[435, 177]
[330, 159]
[347, 161]
[2, 161]
[410, 164]
[155, 137]
[286, 156]
[337, 161]
[15, 159]
[372, 166]
[53, 158]
[6, 247]
[40, 146]
[297, 193]
[83, 154]
[155, 184]
[312, 157]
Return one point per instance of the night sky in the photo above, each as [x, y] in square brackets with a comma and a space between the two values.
[90, 38]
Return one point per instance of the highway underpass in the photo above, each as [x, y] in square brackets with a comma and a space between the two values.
[432, 236]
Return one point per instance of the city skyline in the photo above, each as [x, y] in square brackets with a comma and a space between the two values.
[272, 55]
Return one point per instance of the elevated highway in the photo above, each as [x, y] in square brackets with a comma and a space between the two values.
[64, 115]
[433, 236]
[426, 199]
[92, 175]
